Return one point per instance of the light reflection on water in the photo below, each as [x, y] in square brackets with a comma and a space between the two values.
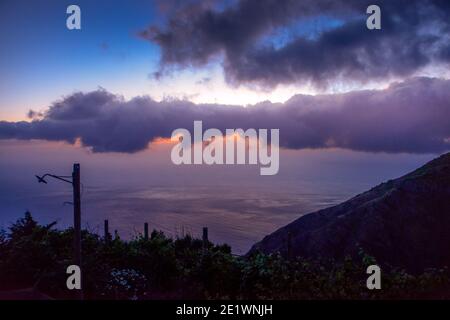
[237, 217]
[146, 187]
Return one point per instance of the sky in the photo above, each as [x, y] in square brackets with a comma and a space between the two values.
[354, 106]
[121, 47]
[52, 61]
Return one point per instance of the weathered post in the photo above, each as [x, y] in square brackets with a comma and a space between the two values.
[146, 231]
[205, 237]
[77, 220]
[106, 231]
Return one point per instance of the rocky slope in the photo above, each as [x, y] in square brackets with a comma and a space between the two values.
[403, 222]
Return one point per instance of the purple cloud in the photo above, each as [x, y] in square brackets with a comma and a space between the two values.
[414, 35]
[411, 116]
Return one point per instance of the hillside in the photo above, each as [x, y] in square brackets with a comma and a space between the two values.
[403, 222]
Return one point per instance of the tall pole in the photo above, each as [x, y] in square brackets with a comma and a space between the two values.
[77, 220]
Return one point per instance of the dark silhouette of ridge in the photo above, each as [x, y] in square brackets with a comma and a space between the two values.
[403, 222]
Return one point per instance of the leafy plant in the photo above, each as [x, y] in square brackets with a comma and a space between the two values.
[32, 255]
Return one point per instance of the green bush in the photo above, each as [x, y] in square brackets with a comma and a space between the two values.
[32, 255]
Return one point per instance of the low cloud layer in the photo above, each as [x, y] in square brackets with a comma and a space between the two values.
[271, 42]
[412, 116]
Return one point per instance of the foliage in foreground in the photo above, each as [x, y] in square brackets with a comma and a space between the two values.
[182, 268]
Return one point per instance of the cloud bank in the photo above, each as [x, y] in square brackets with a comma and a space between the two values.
[411, 116]
[271, 42]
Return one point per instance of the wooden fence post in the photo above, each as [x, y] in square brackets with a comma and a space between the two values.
[106, 236]
[146, 231]
[205, 237]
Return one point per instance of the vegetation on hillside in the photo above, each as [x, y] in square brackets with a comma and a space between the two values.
[183, 268]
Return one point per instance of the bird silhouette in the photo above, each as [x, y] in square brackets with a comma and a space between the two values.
[41, 179]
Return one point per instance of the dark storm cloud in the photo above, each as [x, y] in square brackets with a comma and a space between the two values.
[414, 34]
[411, 116]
